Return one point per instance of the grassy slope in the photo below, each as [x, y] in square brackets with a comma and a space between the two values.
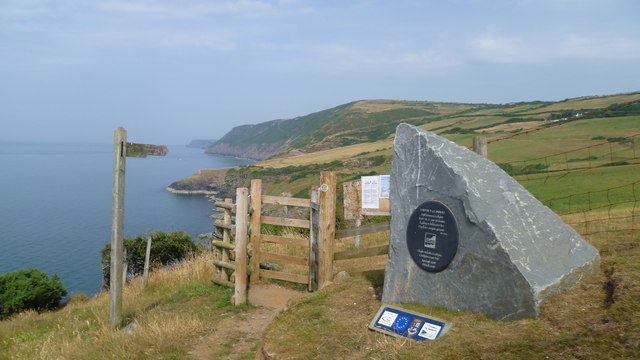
[598, 318]
[361, 121]
[592, 320]
[177, 307]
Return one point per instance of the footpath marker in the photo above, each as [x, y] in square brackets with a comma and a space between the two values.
[121, 150]
[399, 322]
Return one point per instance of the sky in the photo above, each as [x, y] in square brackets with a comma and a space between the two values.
[172, 71]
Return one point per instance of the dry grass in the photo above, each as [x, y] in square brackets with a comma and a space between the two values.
[598, 318]
[178, 305]
[592, 102]
[325, 156]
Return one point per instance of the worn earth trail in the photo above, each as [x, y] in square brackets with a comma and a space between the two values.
[238, 336]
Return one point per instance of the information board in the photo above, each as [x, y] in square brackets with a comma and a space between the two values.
[369, 196]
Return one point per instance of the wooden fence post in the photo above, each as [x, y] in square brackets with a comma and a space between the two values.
[242, 212]
[256, 212]
[147, 259]
[117, 226]
[314, 218]
[480, 146]
[327, 228]
[125, 267]
[121, 150]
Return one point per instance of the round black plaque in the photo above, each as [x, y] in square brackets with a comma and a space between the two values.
[432, 236]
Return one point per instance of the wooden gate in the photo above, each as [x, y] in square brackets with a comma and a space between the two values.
[287, 252]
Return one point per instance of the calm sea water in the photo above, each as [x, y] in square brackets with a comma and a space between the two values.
[55, 205]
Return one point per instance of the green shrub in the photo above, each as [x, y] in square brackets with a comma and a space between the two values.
[29, 289]
[166, 248]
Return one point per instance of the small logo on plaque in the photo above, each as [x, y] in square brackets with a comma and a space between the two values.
[430, 240]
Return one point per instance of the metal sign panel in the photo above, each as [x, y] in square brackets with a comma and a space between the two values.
[409, 324]
[432, 236]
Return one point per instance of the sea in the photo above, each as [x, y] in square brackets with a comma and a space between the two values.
[55, 205]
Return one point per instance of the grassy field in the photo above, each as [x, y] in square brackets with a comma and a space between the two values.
[597, 319]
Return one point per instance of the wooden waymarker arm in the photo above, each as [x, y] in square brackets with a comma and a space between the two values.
[144, 150]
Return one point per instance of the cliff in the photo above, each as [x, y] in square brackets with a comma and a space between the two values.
[258, 151]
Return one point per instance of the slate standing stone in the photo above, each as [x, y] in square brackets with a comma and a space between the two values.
[513, 252]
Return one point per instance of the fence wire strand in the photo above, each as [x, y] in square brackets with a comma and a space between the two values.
[610, 210]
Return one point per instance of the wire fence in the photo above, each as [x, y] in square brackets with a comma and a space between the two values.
[565, 182]
[615, 151]
[619, 213]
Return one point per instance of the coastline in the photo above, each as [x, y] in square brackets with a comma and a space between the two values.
[190, 192]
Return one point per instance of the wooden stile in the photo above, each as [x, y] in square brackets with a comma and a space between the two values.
[224, 224]
[225, 265]
[256, 208]
[226, 235]
[223, 245]
[222, 282]
[225, 205]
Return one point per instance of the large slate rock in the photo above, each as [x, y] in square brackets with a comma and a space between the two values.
[513, 251]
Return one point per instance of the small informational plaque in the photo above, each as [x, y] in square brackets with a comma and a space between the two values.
[410, 324]
[432, 236]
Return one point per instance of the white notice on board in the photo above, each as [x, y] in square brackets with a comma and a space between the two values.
[385, 186]
[370, 191]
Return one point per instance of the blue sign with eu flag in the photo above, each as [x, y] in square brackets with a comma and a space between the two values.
[409, 324]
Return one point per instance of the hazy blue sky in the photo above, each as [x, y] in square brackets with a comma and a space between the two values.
[171, 71]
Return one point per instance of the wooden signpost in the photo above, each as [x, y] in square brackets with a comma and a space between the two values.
[121, 150]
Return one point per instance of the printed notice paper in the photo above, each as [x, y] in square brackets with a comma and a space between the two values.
[370, 192]
[385, 186]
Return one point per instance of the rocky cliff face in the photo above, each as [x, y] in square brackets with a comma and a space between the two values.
[250, 151]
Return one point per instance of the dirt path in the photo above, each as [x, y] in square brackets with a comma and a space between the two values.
[238, 336]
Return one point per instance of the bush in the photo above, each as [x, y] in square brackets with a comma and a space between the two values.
[166, 248]
[29, 289]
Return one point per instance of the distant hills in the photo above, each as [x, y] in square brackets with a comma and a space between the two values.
[374, 120]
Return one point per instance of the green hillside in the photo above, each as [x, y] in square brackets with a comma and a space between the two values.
[374, 120]
[357, 122]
